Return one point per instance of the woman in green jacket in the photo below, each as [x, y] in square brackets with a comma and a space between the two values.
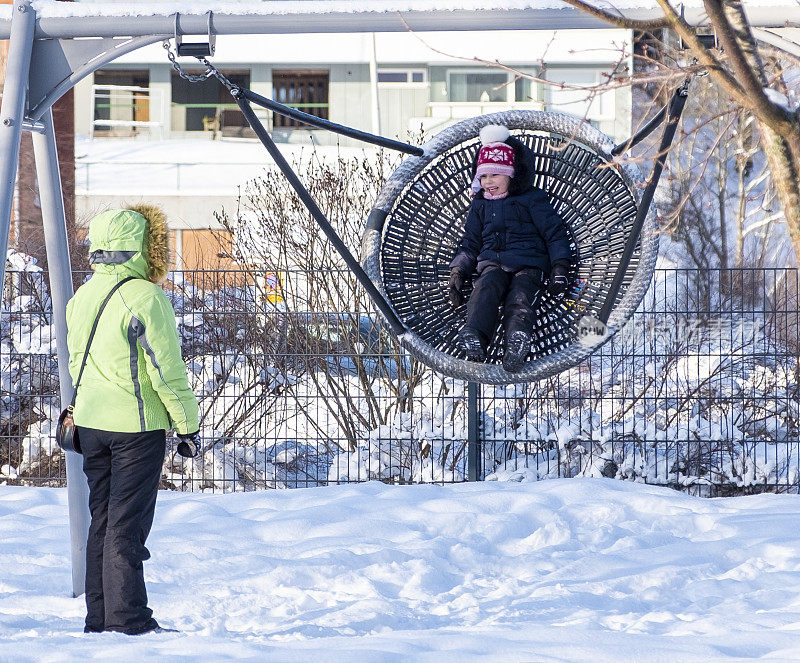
[133, 389]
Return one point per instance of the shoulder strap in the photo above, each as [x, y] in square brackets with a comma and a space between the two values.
[91, 334]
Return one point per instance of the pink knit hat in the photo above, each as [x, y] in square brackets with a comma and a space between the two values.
[495, 157]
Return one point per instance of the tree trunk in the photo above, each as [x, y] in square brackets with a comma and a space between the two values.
[783, 157]
[734, 12]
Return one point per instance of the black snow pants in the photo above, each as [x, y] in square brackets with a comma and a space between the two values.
[123, 471]
[517, 291]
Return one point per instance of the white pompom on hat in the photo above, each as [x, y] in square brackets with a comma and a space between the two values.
[493, 133]
[495, 156]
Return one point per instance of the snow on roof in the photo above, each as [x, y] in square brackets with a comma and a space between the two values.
[119, 166]
[54, 9]
[55, 20]
[320, 16]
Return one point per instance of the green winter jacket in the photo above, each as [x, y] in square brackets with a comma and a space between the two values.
[135, 379]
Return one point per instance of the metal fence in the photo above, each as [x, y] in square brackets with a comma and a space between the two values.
[299, 386]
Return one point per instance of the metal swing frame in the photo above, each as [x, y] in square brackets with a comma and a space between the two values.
[48, 55]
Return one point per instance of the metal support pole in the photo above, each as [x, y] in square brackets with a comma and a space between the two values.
[12, 114]
[676, 106]
[243, 94]
[473, 444]
[643, 133]
[89, 21]
[60, 270]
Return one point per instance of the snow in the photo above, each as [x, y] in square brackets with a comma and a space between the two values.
[51, 9]
[779, 99]
[20, 262]
[563, 570]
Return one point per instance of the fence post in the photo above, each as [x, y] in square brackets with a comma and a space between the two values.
[473, 443]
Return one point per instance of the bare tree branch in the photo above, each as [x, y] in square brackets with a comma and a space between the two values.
[740, 49]
[703, 55]
[617, 20]
[741, 76]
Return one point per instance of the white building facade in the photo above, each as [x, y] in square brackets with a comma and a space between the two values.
[401, 85]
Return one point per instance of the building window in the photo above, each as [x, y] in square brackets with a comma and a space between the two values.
[402, 76]
[122, 97]
[305, 90]
[478, 86]
[524, 90]
[208, 104]
[578, 97]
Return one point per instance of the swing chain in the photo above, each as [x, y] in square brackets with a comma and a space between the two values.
[210, 71]
[192, 78]
[232, 88]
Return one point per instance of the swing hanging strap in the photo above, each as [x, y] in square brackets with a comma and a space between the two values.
[643, 133]
[673, 114]
[320, 123]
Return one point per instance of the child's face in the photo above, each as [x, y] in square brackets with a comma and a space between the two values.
[495, 185]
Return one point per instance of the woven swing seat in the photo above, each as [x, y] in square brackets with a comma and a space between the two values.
[414, 229]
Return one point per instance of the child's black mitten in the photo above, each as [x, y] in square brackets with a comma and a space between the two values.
[456, 284]
[559, 279]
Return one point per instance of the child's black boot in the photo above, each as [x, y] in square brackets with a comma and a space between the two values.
[472, 344]
[518, 345]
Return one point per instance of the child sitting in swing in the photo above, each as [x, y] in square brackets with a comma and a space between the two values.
[515, 239]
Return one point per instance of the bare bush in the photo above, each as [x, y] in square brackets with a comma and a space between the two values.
[347, 377]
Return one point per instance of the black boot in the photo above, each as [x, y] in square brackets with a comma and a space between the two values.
[156, 629]
[518, 345]
[472, 344]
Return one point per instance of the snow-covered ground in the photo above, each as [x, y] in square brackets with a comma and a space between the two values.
[562, 570]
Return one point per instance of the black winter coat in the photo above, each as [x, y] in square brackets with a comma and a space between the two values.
[515, 232]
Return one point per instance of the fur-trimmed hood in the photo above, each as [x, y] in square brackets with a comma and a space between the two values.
[131, 242]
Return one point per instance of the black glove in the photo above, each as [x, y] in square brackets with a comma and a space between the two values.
[456, 284]
[559, 280]
[189, 445]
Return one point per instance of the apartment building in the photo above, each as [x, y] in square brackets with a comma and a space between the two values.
[401, 85]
